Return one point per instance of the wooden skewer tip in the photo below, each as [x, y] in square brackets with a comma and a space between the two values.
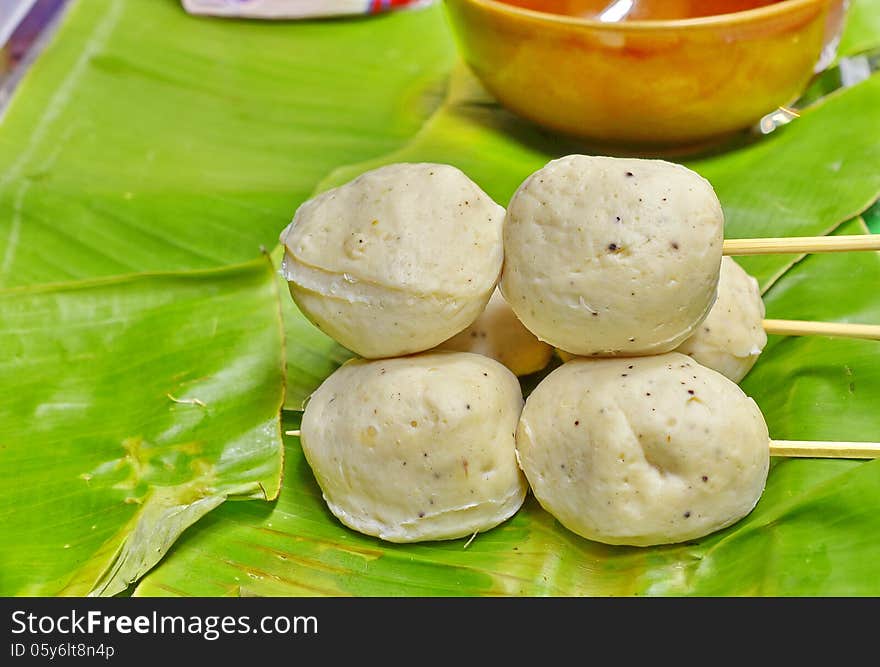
[801, 244]
[825, 449]
[808, 328]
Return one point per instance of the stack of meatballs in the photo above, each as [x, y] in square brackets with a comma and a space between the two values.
[641, 437]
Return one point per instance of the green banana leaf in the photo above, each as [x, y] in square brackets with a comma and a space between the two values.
[172, 142]
[129, 407]
[124, 150]
[872, 218]
[862, 29]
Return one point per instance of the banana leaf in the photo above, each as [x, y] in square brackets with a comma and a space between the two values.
[124, 150]
[862, 28]
[129, 407]
[872, 218]
[144, 139]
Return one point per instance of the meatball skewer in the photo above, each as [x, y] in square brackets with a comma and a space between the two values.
[610, 257]
[650, 450]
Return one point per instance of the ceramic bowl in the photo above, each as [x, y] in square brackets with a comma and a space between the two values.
[659, 82]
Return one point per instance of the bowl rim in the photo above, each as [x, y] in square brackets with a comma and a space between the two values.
[778, 8]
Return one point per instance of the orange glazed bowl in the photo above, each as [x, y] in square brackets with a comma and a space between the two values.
[645, 81]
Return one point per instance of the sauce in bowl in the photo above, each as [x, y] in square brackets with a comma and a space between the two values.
[612, 11]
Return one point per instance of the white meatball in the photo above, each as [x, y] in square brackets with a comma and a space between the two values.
[397, 260]
[643, 451]
[417, 448]
[612, 256]
[497, 333]
[731, 338]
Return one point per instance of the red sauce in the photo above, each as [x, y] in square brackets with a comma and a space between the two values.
[640, 10]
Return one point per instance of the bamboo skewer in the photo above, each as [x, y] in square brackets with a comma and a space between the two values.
[806, 328]
[805, 448]
[825, 449]
[801, 244]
